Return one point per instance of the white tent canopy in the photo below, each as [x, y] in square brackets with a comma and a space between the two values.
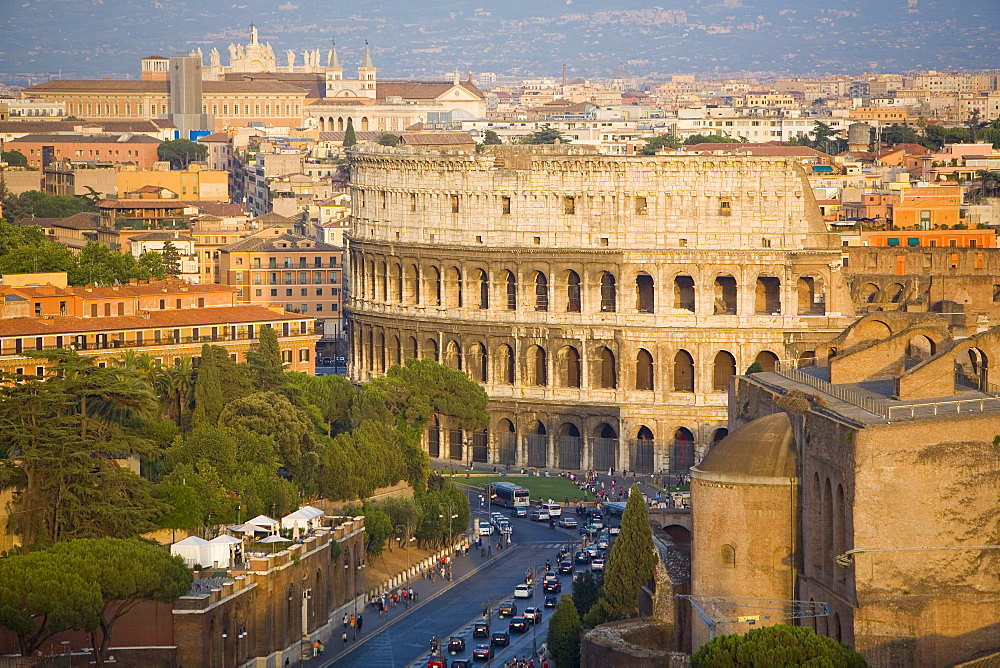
[218, 552]
[266, 522]
[274, 539]
[191, 550]
[247, 528]
[305, 517]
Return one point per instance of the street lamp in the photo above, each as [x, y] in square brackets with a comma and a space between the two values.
[403, 530]
[357, 578]
[533, 574]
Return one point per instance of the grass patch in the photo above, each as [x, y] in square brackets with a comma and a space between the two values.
[557, 489]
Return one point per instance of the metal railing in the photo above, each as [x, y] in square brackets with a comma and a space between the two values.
[874, 406]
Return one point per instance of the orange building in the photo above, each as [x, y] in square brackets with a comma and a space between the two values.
[927, 208]
[194, 184]
[137, 149]
[932, 238]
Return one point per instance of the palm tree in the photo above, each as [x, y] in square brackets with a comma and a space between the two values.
[180, 384]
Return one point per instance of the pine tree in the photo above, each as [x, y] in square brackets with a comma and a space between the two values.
[349, 137]
[265, 360]
[779, 646]
[171, 258]
[631, 563]
[564, 634]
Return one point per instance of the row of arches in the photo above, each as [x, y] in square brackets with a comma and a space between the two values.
[339, 123]
[569, 366]
[410, 283]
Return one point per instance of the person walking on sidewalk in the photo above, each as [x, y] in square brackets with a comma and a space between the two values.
[361, 620]
[344, 636]
[345, 621]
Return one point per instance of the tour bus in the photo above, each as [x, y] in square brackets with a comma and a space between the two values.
[509, 494]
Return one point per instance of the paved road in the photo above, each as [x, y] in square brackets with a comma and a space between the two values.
[444, 608]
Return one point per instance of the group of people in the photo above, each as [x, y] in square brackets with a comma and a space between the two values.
[352, 622]
[390, 599]
[525, 663]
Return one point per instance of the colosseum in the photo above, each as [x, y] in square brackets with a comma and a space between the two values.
[604, 302]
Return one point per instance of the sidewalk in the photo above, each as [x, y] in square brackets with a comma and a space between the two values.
[374, 622]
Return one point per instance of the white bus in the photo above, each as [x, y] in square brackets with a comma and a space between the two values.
[509, 494]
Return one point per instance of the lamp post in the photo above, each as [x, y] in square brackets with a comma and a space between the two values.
[533, 574]
[358, 576]
[405, 540]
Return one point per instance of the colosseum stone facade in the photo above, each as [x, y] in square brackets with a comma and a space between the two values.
[604, 302]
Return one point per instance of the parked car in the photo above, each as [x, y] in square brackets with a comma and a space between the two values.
[567, 522]
[518, 625]
[552, 587]
[484, 528]
[456, 645]
[506, 610]
[551, 602]
[602, 543]
[523, 591]
[480, 630]
[533, 615]
[482, 653]
[500, 639]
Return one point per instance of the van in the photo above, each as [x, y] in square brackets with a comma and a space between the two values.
[554, 509]
[484, 528]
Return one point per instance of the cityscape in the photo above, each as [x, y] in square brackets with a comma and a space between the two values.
[545, 336]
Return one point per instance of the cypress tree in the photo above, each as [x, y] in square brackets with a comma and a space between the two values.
[171, 258]
[631, 563]
[564, 634]
[349, 137]
[208, 387]
[265, 360]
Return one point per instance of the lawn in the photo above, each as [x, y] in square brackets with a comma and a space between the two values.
[557, 489]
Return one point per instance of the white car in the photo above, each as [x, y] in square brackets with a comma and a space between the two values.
[523, 591]
[567, 522]
[485, 529]
[597, 564]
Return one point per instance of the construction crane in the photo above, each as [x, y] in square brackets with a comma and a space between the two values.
[715, 610]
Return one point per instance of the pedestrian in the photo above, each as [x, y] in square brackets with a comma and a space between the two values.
[343, 635]
[315, 646]
[353, 620]
[322, 648]
[345, 621]
[361, 620]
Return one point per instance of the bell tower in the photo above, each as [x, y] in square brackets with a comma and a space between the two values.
[366, 75]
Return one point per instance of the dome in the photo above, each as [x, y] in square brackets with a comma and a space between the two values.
[764, 448]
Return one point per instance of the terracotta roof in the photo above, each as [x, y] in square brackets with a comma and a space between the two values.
[33, 126]
[436, 138]
[212, 315]
[216, 137]
[35, 291]
[224, 209]
[80, 221]
[163, 236]
[133, 86]
[85, 139]
[360, 135]
[120, 204]
[151, 189]
[313, 83]
[272, 218]
[419, 90]
[260, 244]
[166, 286]
[345, 101]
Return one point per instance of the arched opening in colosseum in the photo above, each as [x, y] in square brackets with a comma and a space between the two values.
[434, 439]
[607, 373]
[868, 293]
[894, 292]
[971, 369]
[727, 556]
[412, 352]
[839, 528]
[641, 451]
[684, 293]
[918, 349]
[541, 292]
[569, 367]
[570, 446]
[682, 451]
[573, 302]
[609, 293]
[453, 355]
[480, 446]
[371, 280]
[396, 284]
[504, 372]
[873, 330]
[811, 298]
[815, 543]
[828, 554]
[683, 372]
[380, 353]
[433, 278]
[370, 350]
[384, 274]
[478, 363]
[395, 350]
[454, 295]
[723, 369]
[643, 370]
[510, 283]
[644, 294]
[535, 370]
[430, 350]
[767, 295]
[768, 361]
[836, 633]
[719, 434]
[605, 447]
[725, 295]
[483, 285]
[455, 440]
[538, 445]
[412, 285]
[506, 442]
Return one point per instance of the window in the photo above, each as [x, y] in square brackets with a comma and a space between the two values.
[505, 205]
[454, 203]
[573, 302]
[274, 292]
[511, 285]
[608, 293]
[644, 293]
[541, 292]
[569, 204]
[178, 303]
[640, 205]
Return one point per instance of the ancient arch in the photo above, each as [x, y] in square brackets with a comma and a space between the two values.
[541, 292]
[535, 370]
[725, 295]
[768, 361]
[644, 293]
[683, 372]
[609, 293]
[570, 446]
[478, 362]
[643, 370]
[723, 369]
[684, 298]
[607, 376]
[568, 361]
[573, 299]
[504, 372]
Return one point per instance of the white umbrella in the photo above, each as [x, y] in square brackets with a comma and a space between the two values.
[274, 539]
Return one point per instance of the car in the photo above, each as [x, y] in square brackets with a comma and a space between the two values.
[539, 516]
[480, 630]
[436, 660]
[482, 653]
[582, 557]
[485, 528]
[456, 645]
[506, 610]
[589, 530]
[552, 587]
[495, 517]
[596, 518]
[519, 511]
[603, 542]
[461, 663]
[533, 615]
[567, 522]
[615, 530]
[597, 564]
[566, 567]
[500, 639]
[551, 602]
[517, 625]
[552, 508]
[523, 591]
[550, 576]
[593, 551]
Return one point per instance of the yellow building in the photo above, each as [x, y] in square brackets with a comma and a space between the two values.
[194, 184]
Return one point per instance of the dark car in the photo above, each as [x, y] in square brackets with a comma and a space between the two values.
[582, 557]
[552, 587]
[518, 624]
[566, 567]
[551, 602]
[502, 638]
[456, 645]
[506, 610]
[461, 663]
[480, 630]
[482, 653]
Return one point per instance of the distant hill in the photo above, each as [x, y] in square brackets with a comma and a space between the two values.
[92, 38]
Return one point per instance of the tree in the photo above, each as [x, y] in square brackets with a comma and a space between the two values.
[181, 152]
[209, 395]
[973, 123]
[98, 265]
[44, 256]
[989, 186]
[350, 139]
[378, 527]
[127, 572]
[43, 595]
[386, 139]
[824, 137]
[658, 142]
[36, 204]
[564, 634]
[631, 563]
[755, 367]
[270, 414]
[265, 362]
[171, 258]
[779, 646]
[491, 138]
[586, 590]
[14, 158]
[710, 139]
[545, 135]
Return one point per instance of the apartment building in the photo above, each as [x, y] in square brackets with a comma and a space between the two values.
[195, 183]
